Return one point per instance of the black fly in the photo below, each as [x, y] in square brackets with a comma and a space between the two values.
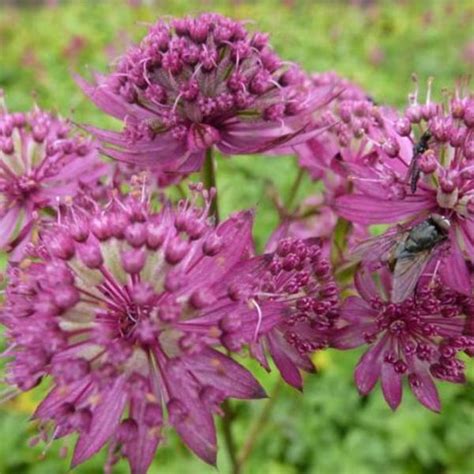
[418, 149]
[407, 252]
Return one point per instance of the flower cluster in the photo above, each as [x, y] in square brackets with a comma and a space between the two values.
[124, 308]
[428, 171]
[418, 338]
[41, 161]
[197, 82]
[349, 127]
[135, 307]
[415, 171]
[297, 303]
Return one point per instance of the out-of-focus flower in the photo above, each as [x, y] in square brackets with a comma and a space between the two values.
[418, 339]
[347, 129]
[118, 304]
[75, 47]
[350, 127]
[426, 168]
[376, 56]
[41, 161]
[468, 53]
[295, 299]
[195, 83]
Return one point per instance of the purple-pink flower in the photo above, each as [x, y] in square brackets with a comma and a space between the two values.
[195, 83]
[295, 302]
[41, 162]
[118, 304]
[348, 127]
[418, 339]
[425, 167]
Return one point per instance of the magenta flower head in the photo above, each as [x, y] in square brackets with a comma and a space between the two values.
[347, 127]
[118, 305]
[419, 338]
[428, 170]
[194, 83]
[40, 163]
[294, 300]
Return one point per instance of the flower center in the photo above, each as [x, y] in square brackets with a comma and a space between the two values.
[22, 188]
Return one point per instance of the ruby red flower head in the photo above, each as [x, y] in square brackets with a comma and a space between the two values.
[41, 161]
[194, 83]
[419, 338]
[118, 305]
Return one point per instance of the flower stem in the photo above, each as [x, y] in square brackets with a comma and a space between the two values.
[258, 425]
[229, 437]
[181, 191]
[209, 180]
[294, 189]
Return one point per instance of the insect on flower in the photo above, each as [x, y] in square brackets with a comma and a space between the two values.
[407, 252]
[414, 170]
[441, 176]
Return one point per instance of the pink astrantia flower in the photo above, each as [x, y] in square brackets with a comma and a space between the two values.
[40, 163]
[428, 170]
[294, 298]
[194, 83]
[418, 339]
[349, 127]
[118, 305]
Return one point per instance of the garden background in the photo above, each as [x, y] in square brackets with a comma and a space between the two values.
[329, 429]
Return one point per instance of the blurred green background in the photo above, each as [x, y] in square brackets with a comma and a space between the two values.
[329, 429]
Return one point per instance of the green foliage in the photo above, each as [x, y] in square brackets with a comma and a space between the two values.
[330, 429]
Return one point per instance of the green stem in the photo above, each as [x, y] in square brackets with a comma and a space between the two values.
[294, 189]
[258, 425]
[209, 181]
[181, 191]
[229, 437]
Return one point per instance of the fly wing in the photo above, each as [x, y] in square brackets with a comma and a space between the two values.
[377, 248]
[408, 270]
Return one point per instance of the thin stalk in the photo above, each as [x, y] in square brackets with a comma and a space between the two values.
[294, 189]
[209, 181]
[258, 425]
[181, 191]
[229, 440]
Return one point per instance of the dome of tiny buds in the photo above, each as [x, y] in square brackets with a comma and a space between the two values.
[352, 114]
[419, 338]
[351, 127]
[194, 83]
[296, 303]
[41, 162]
[118, 304]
